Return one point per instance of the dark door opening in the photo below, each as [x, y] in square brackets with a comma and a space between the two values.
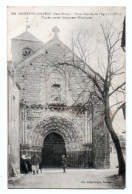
[53, 149]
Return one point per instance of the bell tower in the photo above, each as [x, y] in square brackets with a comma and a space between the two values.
[24, 45]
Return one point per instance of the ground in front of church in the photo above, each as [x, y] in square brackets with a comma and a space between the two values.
[73, 178]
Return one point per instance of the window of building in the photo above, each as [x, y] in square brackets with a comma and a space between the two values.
[26, 52]
[56, 92]
[55, 87]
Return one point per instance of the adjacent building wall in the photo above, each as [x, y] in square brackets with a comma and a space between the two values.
[13, 126]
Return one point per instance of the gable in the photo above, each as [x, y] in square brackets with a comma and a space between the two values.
[54, 50]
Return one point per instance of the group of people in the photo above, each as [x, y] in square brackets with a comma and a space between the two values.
[30, 164]
[33, 164]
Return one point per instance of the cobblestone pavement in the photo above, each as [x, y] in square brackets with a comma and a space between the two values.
[73, 178]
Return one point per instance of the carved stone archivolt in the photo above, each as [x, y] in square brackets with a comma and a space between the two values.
[59, 125]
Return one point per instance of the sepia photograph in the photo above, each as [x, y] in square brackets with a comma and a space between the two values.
[66, 85]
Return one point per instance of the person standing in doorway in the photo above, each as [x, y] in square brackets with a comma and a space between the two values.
[64, 163]
[35, 160]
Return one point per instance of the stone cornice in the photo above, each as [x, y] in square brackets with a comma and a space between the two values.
[60, 107]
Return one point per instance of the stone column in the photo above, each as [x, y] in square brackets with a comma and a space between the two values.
[24, 123]
[86, 129]
[23, 126]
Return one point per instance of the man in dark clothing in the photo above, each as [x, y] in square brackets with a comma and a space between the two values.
[23, 165]
[64, 163]
[35, 160]
[28, 162]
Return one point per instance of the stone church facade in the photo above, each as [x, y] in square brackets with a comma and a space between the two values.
[52, 121]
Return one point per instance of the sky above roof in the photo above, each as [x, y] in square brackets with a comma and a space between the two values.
[72, 19]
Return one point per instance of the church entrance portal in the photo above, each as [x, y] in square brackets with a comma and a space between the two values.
[53, 149]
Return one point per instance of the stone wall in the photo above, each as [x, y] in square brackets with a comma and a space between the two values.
[13, 126]
[86, 138]
[87, 144]
[34, 76]
[18, 46]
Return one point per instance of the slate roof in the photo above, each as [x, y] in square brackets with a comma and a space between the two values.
[27, 36]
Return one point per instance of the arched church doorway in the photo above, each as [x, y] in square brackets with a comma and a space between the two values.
[53, 149]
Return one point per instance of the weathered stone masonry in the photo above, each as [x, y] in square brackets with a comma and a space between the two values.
[13, 126]
[47, 95]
